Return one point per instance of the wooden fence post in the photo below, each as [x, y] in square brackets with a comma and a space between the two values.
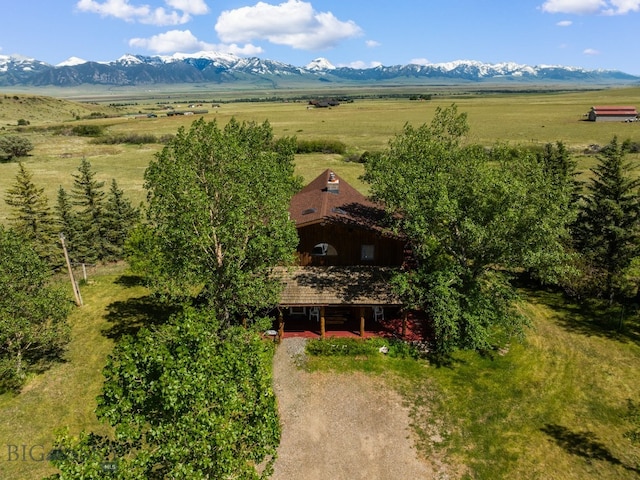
[74, 285]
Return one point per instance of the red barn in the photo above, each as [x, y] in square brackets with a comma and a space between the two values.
[613, 114]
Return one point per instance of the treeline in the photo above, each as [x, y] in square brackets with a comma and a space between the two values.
[94, 225]
[94, 222]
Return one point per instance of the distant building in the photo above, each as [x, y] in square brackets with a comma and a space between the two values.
[613, 114]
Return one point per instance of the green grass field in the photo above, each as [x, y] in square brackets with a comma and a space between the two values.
[551, 408]
[364, 125]
[65, 395]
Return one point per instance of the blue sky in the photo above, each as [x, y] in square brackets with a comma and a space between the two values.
[583, 33]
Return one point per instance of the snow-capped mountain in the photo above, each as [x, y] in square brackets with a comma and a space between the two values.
[71, 61]
[222, 68]
[320, 65]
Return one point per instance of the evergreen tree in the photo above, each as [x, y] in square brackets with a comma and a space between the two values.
[119, 218]
[560, 168]
[607, 230]
[67, 224]
[32, 215]
[88, 196]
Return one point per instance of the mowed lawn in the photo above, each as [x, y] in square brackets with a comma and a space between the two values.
[65, 395]
[554, 407]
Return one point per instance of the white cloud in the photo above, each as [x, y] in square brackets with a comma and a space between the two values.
[372, 43]
[246, 50]
[419, 61]
[184, 41]
[584, 7]
[194, 7]
[622, 7]
[124, 10]
[590, 51]
[564, 23]
[294, 23]
[171, 41]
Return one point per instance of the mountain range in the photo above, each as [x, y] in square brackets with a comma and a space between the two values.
[221, 68]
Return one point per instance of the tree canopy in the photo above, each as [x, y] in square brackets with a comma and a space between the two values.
[472, 216]
[13, 146]
[32, 312]
[191, 400]
[218, 215]
[607, 231]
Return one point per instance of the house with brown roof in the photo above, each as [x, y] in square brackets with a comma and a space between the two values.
[346, 255]
[613, 114]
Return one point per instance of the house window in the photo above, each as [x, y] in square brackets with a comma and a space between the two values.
[366, 252]
[298, 311]
[323, 250]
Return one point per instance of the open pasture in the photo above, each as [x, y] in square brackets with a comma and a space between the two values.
[366, 124]
[553, 407]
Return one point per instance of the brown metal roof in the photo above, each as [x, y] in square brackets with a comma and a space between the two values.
[327, 286]
[317, 203]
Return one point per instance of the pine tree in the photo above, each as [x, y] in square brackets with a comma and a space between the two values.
[608, 226]
[32, 217]
[67, 224]
[88, 196]
[119, 217]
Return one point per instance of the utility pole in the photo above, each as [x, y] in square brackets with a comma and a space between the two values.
[74, 285]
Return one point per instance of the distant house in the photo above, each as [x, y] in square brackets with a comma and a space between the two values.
[613, 114]
[346, 256]
[326, 103]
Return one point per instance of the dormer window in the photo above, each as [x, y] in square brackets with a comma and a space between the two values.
[324, 250]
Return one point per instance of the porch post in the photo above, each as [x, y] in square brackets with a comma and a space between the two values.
[280, 325]
[322, 331]
[361, 321]
[405, 314]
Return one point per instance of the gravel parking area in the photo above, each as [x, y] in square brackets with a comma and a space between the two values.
[341, 426]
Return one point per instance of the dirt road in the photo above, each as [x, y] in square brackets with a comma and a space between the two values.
[341, 426]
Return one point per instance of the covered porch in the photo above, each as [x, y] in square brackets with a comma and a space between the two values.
[356, 301]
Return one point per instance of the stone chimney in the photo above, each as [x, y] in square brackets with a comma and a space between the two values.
[333, 184]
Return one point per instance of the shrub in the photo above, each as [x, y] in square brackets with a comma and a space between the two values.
[15, 146]
[321, 146]
[132, 138]
[355, 346]
[87, 130]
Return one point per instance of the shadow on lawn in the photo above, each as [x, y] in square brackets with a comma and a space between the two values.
[592, 317]
[583, 444]
[129, 316]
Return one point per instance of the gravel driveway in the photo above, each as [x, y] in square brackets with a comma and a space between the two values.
[341, 426]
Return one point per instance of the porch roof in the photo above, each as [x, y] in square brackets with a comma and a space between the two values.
[333, 285]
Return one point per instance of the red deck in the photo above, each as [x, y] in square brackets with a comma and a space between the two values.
[415, 328]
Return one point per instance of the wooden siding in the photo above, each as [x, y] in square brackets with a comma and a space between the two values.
[347, 241]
